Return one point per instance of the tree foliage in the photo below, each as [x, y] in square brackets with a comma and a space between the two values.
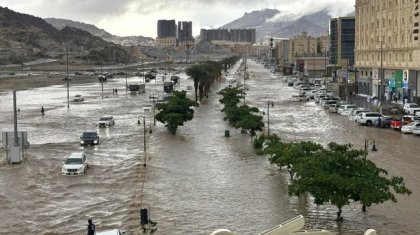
[243, 117]
[337, 174]
[176, 111]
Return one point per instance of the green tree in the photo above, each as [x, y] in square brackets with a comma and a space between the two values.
[340, 175]
[290, 154]
[231, 97]
[176, 111]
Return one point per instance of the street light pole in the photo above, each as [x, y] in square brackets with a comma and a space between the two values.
[154, 100]
[268, 116]
[126, 83]
[67, 78]
[382, 77]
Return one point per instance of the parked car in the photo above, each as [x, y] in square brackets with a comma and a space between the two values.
[75, 164]
[416, 130]
[106, 121]
[346, 109]
[408, 128]
[327, 103]
[396, 124]
[409, 106]
[346, 112]
[300, 97]
[318, 98]
[78, 98]
[333, 108]
[368, 118]
[354, 113]
[78, 73]
[385, 122]
[89, 138]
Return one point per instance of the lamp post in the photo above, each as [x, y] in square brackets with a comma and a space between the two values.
[269, 103]
[370, 142]
[67, 79]
[126, 82]
[153, 97]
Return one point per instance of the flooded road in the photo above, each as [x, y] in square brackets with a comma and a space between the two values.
[196, 181]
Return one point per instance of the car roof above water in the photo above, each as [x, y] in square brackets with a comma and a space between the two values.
[76, 155]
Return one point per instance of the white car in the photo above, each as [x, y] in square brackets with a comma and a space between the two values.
[110, 232]
[348, 109]
[414, 111]
[409, 106]
[345, 108]
[78, 98]
[300, 97]
[354, 113]
[75, 164]
[416, 130]
[106, 121]
[367, 118]
[408, 128]
[147, 108]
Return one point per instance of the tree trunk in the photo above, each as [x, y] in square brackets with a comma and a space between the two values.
[339, 217]
[195, 89]
[364, 208]
[200, 91]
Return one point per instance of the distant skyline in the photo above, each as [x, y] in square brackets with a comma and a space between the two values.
[139, 17]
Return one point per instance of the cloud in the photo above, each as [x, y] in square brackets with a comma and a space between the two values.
[139, 17]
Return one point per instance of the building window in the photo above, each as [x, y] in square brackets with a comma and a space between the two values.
[416, 38]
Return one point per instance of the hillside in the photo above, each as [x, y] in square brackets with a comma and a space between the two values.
[277, 24]
[24, 38]
[126, 41]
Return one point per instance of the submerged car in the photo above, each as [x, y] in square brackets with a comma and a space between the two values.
[78, 98]
[106, 121]
[89, 138]
[75, 164]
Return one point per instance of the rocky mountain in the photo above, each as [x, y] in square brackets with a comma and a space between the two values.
[274, 23]
[25, 37]
[126, 41]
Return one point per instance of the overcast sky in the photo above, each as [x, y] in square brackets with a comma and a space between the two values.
[139, 17]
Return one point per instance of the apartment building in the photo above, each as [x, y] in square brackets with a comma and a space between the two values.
[387, 48]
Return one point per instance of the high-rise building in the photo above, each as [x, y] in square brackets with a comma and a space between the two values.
[166, 30]
[342, 41]
[387, 51]
[184, 30]
[185, 37]
[234, 35]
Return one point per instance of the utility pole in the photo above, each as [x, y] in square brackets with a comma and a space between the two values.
[144, 138]
[126, 83]
[15, 120]
[67, 78]
[382, 77]
[102, 83]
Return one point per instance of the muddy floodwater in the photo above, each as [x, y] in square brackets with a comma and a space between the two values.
[196, 181]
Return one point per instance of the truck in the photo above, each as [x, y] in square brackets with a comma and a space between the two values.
[396, 124]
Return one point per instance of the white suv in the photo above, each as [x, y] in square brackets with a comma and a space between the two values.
[368, 118]
[75, 164]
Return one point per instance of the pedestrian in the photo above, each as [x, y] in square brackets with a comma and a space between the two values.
[18, 111]
[42, 110]
[379, 122]
[91, 227]
[116, 91]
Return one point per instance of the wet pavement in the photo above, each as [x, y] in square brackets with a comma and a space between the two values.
[196, 181]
